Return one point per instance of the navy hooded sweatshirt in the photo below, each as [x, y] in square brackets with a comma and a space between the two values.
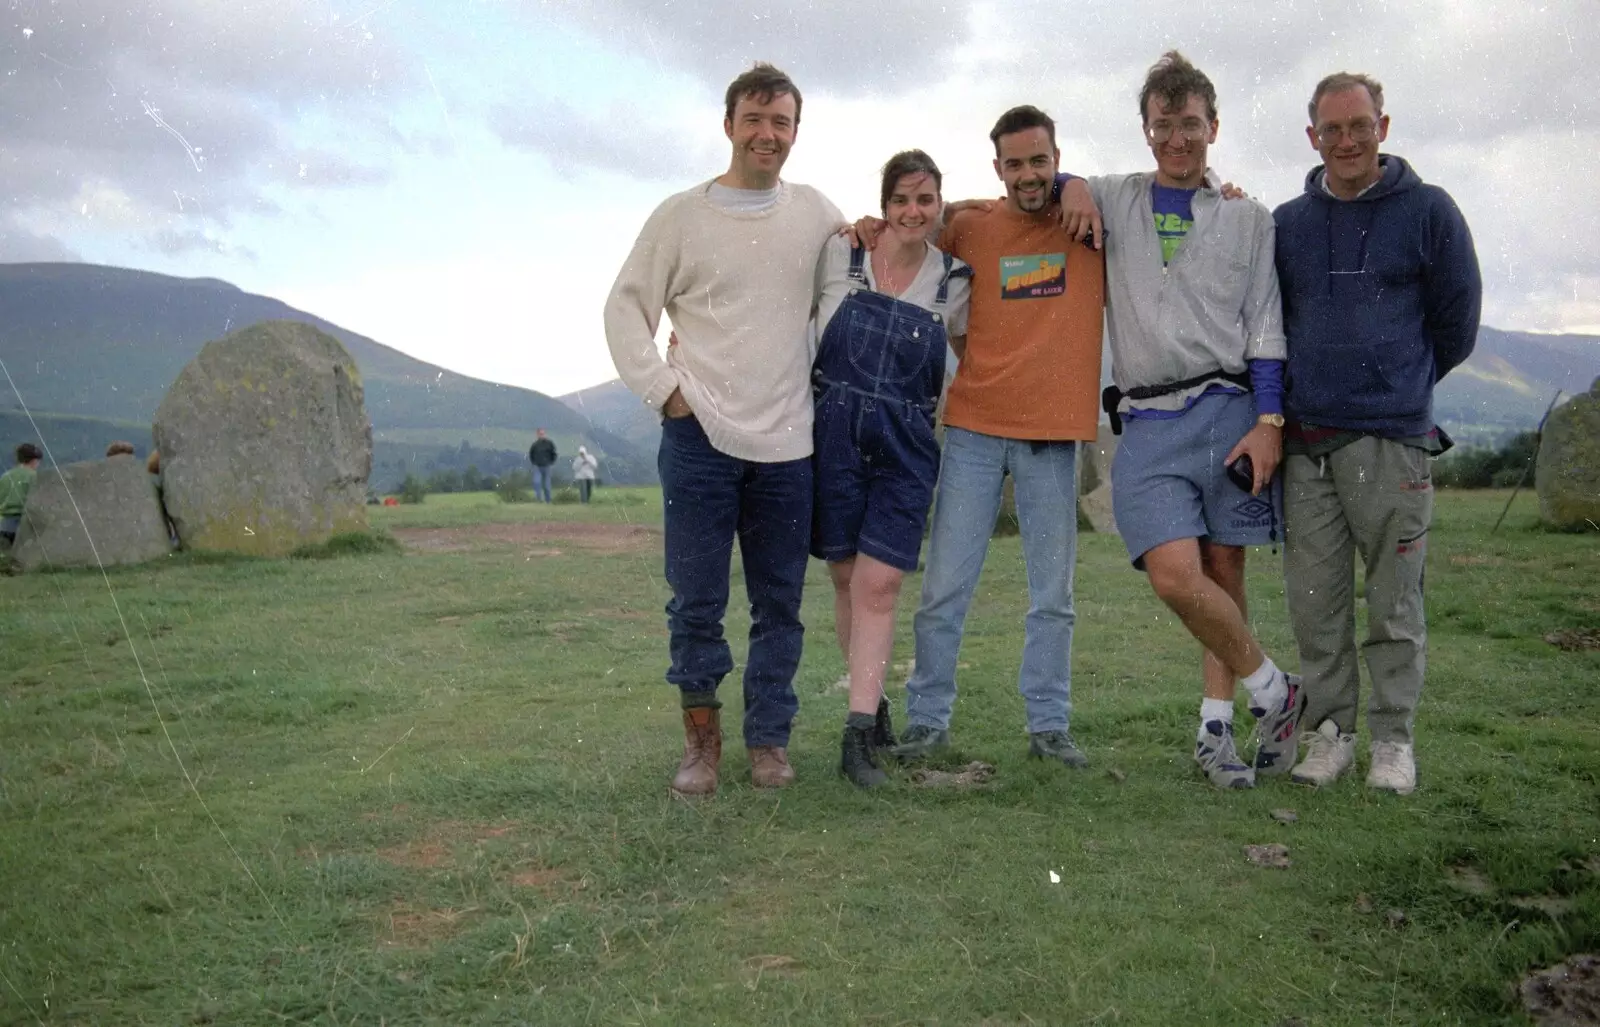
[1381, 296]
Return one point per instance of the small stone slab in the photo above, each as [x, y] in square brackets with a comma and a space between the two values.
[1273, 855]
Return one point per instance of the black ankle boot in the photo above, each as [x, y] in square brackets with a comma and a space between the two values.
[855, 754]
[882, 727]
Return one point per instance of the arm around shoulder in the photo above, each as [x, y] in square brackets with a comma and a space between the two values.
[1263, 304]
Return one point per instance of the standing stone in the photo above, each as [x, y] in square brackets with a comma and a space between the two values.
[1094, 481]
[1568, 474]
[117, 500]
[265, 443]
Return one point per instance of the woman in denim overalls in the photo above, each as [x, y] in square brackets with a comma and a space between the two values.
[885, 320]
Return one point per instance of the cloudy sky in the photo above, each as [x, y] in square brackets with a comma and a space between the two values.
[461, 179]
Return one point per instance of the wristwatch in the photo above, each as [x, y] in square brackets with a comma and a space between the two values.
[1276, 420]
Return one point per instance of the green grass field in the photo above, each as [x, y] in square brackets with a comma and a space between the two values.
[431, 788]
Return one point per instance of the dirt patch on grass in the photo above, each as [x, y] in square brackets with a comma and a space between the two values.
[403, 926]
[1566, 995]
[436, 846]
[1574, 639]
[973, 775]
[541, 539]
[1469, 879]
[541, 878]
[1553, 906]
[416, 855]
[1274, 854]
[546, 880]
[767, 965]
[1476, 560]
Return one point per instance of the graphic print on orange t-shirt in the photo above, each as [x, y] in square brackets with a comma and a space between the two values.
[1033, 276]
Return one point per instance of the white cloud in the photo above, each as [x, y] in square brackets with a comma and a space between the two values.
[494, 260]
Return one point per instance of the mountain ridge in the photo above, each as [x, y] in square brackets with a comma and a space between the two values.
[102, 342]
[1502, 388]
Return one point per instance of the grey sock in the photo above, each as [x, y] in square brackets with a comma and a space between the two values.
[861, 721]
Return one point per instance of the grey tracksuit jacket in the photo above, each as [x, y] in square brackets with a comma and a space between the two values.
[1214, 307]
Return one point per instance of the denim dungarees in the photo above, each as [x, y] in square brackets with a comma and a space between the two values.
[879, 371]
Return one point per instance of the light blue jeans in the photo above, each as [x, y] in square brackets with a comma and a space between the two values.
[965, 507]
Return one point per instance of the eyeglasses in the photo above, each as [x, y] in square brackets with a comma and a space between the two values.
[1359, 132]
[1161, 131]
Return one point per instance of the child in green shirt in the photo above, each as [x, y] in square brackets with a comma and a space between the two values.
[14, 486]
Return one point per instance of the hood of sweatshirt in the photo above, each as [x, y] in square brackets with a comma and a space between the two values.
[1348, 223]
[1397, 177]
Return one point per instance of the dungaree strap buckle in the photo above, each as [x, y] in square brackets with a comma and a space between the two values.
[857, 272]
[950, 271]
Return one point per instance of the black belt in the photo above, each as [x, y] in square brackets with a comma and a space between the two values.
[1111, 397]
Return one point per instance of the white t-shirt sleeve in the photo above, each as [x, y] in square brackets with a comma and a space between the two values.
[833, 280]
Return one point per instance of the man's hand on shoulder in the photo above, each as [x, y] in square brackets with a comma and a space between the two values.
[864, 232]
[1079, 215]
[1232, 192]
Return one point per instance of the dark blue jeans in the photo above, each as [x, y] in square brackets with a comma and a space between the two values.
[541, 483]
[709, 498]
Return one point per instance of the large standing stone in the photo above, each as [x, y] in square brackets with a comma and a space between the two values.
[1094, 480]
[265, 443]
[117, 500]
[1568, 474]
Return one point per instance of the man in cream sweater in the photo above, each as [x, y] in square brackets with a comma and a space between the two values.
[733, 263]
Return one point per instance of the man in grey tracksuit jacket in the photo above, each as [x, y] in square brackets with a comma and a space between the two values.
[1197, 354]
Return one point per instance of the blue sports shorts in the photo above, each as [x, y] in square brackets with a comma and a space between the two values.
[1168, 480]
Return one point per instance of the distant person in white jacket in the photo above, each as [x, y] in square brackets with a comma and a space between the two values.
[585, 468]
[733, 262]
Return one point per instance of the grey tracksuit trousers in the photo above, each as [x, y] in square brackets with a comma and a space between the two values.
[1372, 498]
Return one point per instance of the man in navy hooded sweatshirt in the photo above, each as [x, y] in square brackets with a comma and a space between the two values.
[1381, 296]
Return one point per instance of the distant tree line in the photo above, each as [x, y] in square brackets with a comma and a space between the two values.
[1483, 467]
[472, 467]
[514, 487]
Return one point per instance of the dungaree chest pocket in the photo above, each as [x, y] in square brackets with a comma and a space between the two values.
[889, 348]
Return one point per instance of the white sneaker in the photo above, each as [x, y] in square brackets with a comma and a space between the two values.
[1394, 768]
[1328, 755]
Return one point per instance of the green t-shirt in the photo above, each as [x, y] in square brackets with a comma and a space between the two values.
[1174, 210]
[14, 486]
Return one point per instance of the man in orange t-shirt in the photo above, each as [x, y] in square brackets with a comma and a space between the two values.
[1026, 391]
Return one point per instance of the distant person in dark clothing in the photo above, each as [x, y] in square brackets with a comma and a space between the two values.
[543, 456]
[14, 486]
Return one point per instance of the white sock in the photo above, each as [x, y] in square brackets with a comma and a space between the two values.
[1268, 687]
[1215, 709]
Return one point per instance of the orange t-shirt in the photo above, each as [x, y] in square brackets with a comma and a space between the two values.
[1032, 365]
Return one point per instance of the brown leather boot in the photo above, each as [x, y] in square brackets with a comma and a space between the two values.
[702, 752]
[769, 767]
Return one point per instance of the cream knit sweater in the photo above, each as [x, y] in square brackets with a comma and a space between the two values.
[740, 289]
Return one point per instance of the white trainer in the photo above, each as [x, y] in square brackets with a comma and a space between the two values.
[1329, 754]
[1394, 768]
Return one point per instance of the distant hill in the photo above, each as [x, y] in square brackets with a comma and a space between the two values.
[1502, 389]
[105, 343]
[615, 407]
[1507, 383]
